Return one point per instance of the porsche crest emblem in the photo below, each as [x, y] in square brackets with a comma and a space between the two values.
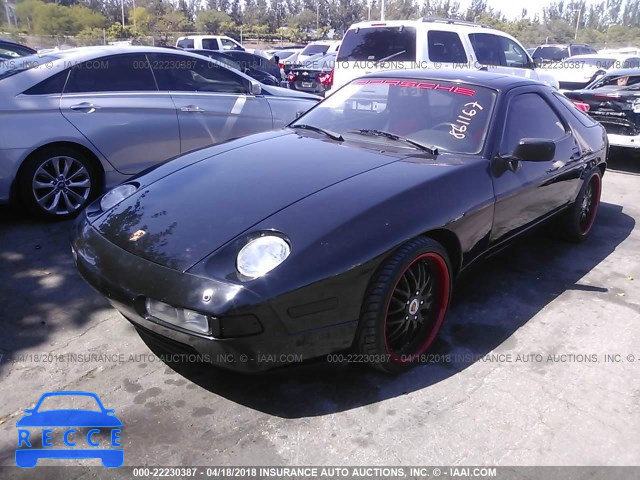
[137, 235]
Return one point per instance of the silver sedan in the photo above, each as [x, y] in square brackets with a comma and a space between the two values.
[78, 121]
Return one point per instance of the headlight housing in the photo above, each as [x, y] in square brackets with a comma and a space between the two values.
[115, 196]
[261, 255]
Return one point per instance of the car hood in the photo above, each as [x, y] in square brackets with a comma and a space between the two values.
[188, 214]
[285, 92]
[69, 418]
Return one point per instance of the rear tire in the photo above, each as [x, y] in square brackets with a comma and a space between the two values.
[576, 223]
[405, 306]
[57, 183]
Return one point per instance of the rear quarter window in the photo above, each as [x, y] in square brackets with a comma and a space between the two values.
[186, 43]
[51, 86]
[445, 47]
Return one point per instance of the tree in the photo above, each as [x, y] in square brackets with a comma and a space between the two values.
[210, 21]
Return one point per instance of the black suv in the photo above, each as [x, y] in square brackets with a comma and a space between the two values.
[555, 52]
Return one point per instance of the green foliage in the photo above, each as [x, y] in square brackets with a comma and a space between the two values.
[118, 32]
[211, 21]
[53, 19]
[599, 22]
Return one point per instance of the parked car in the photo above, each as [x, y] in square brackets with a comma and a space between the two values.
[9, 50]
[578, 71]
[74, 122]
[314, 48]
[255, 62]
[614, 101]
[278, 50]
[430, 43]
[347, 228]
[315, 76]
[208, 42]
[261, 76]
[555, 52]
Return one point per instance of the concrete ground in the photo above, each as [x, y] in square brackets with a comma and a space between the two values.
[543, 345]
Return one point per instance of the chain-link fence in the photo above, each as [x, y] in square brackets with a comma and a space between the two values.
[43, 42]
[99, 37]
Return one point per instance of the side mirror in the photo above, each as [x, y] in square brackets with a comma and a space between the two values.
[255, 88]
[535, 150]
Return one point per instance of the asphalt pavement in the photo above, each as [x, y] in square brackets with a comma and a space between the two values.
[538, 364]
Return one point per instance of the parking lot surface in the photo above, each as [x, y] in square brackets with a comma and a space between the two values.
[538, 365]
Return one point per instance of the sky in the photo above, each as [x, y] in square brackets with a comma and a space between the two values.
[513, 8]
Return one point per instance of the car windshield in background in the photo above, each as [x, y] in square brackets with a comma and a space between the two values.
[12, 66]
[314, 49]
[396, 44]
[449, 116]
[14, 51]
[617, 81]
[551, 53]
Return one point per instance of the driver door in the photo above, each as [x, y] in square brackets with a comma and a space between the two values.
[529, 190]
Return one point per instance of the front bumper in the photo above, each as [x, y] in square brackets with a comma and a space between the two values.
[127, 280]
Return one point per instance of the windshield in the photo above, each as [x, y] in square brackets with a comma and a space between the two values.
[13, 66]
[449, 116]
[379, 43]
[551, 53]
[618, 81]
[313, 49]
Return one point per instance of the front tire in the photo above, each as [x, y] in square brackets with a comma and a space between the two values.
[58, 183]
[405, 306]
[578, 221]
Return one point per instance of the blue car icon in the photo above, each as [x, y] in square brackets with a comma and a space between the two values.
[69, 418]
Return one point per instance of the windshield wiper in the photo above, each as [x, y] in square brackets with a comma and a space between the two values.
[389, 57]
[393, 136]
[328, 133]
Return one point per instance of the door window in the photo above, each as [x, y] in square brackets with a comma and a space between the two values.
[493, 49]
[118, 73]
[188, 74]
[530, 116]
[210, 44]
[228, 44]
[445, 47]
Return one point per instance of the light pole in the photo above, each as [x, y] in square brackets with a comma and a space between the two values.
[382, 11]
[122, 4]
[317, 16]
[575, 37]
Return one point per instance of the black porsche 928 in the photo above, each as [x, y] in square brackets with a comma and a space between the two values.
[347, 228]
